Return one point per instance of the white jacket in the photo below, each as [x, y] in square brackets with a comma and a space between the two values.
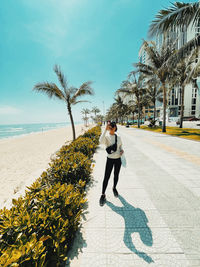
[109, 140]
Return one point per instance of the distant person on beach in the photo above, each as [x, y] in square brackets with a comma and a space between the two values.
[114, 151]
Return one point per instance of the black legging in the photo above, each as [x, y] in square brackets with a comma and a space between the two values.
[109, 166]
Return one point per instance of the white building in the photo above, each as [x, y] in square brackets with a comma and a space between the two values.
[180, 35]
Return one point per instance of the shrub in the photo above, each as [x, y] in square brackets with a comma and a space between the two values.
[39, 228]
[84, 145]
[69, 168]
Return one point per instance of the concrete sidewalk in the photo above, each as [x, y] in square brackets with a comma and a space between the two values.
[156, 219]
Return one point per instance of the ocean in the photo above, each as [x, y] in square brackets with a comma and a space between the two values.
[13, 130]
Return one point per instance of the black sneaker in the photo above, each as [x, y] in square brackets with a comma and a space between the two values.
[102, 200]
[115, 192]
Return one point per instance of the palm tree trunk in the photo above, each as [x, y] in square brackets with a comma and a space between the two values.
[133, 116]
[154, 112]
[139, 115]
[164, 109]
[72, 121]
[182, 105]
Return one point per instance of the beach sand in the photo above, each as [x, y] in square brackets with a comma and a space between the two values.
[24, 158]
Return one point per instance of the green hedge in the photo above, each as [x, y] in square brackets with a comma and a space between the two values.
[39, 228]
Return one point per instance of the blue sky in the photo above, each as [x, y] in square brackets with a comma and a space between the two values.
[94, 40]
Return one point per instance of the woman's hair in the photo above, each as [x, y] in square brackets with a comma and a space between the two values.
[113, 125]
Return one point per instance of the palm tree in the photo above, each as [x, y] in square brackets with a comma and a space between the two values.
[119, 107]
[186, 72]
[85, 112]
[160, 67]
[113, 113]
[70, 95]
[95, 110]
[154, 92]
[100, 118]
[134, 87]
[132, 108]
[178, 14]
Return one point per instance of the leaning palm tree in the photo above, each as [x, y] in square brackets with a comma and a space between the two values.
[159, 66]
[186, 72]
[70, 95]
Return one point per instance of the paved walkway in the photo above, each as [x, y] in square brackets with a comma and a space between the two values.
[156, 219]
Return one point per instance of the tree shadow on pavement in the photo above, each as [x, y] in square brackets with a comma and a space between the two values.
[135, 222]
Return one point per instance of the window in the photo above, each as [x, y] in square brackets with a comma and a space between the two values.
[193, 107]
[176, 101]
[194, 92]
[172, 99]
[193, 101]
[193, 112]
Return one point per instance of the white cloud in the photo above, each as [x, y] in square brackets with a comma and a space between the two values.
[8, 110]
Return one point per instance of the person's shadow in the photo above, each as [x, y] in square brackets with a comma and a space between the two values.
[135, 221]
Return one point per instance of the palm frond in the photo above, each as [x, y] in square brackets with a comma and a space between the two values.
[80, 101]
[84, 89]
[72, 91]
[125, 92]
[152, 52]
[184, 51]
[144, 68]
[61, 77]
[178, 14]
[50, 89]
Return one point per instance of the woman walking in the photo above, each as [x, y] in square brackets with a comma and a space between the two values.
[114, 151]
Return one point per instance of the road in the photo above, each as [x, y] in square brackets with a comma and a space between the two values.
[156, 219]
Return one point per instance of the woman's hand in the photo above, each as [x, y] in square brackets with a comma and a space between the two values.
[107, 127]
[121, 152]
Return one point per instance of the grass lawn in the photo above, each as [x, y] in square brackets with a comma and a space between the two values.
[188, 133]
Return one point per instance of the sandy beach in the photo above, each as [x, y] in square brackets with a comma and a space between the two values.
[24, 158]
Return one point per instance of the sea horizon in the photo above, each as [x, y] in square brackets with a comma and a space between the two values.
[19, 129]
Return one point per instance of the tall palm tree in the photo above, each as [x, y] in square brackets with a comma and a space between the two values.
[158, 66]
[85, 112]
[186, 72]
[134, 87]
[70, 95]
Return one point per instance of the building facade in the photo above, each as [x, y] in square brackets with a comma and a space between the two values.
[179, 36]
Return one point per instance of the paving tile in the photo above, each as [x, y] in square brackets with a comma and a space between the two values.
[144, 240]
[95, 240]
[156, 219]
